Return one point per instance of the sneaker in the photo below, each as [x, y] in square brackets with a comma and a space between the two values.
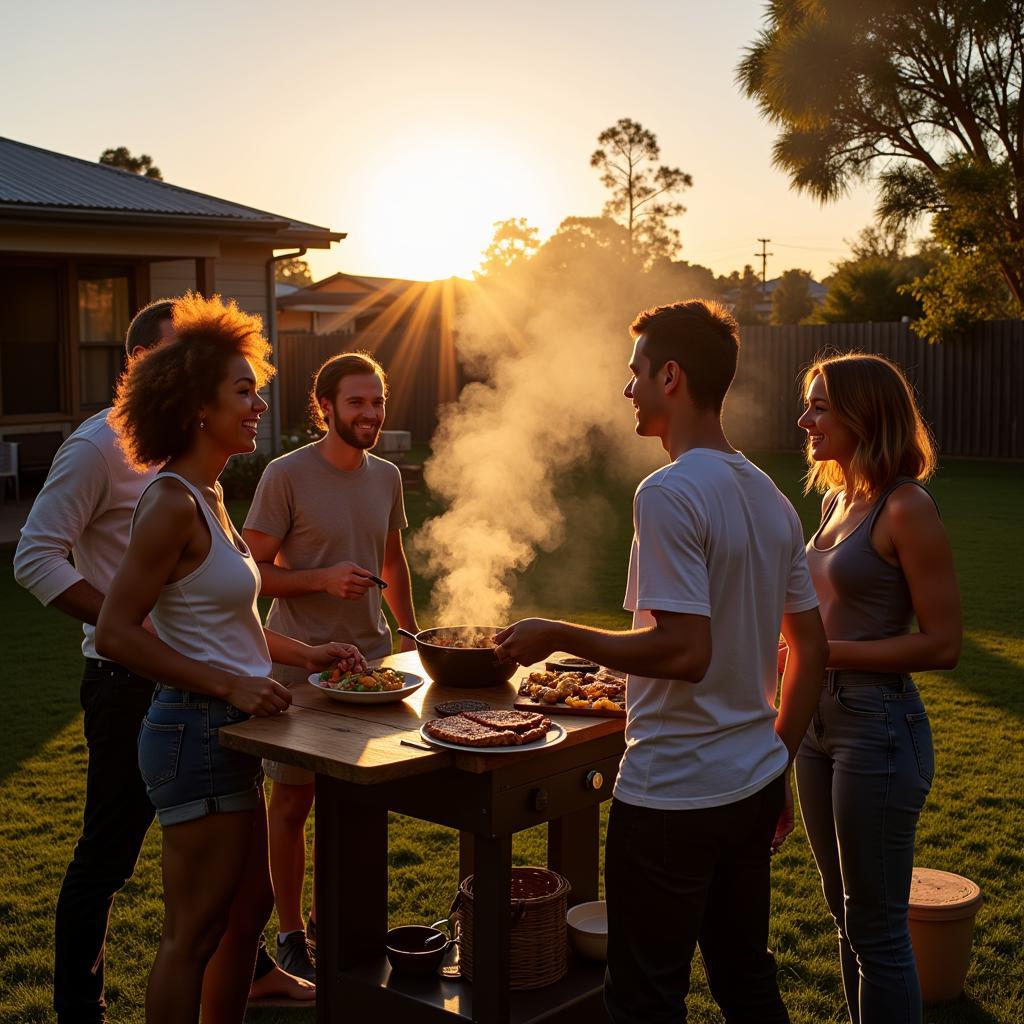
[311, 933]
[296, 956]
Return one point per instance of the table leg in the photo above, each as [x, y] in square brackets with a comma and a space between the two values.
[351, 889]
[574, 843]
[465, 854]
[492, 886]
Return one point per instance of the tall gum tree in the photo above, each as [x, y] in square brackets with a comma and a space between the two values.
[923, 96]
[642, 191]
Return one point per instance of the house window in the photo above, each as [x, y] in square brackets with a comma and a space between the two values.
[104, 301]
[30, 340]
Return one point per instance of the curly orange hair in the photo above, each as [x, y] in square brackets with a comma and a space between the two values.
[158, 398]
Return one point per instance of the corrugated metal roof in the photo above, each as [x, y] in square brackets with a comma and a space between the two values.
[35, 177]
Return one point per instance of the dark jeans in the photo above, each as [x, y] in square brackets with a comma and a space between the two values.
[864, 770]
[678, 879]
[117, 815]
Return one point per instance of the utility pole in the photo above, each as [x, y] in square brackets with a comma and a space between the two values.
[764, 254]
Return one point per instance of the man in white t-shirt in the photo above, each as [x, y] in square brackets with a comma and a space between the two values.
[702, 798]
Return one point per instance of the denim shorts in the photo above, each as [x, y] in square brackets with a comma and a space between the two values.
[188, 774]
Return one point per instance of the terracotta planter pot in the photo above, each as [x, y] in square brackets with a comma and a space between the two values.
[942, 911]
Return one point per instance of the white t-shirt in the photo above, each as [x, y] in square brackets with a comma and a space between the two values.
[84, 510]
[713, 537]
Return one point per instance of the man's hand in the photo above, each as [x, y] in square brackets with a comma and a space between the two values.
[786, 822]
[258, 695]
[347, 657]
[527, 641]
[347, 580]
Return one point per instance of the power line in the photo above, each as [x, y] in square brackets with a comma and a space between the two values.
[764, 254]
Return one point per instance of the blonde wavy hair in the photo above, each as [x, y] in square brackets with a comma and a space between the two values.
[874, 400]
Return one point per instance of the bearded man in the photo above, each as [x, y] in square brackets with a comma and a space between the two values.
[325, 522]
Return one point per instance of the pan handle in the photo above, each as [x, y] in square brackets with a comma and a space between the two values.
[405, 632]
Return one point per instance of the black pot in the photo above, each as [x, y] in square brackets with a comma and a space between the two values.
[461, 666]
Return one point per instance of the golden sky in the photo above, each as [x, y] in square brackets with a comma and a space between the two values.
[415, 126]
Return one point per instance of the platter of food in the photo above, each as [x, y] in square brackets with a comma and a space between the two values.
[493, 732]
[600, 694]
[374, 686]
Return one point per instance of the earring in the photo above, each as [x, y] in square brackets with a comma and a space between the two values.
[202, 424]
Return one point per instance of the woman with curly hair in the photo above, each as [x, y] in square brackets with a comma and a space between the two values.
[182, 610]
[879, 560]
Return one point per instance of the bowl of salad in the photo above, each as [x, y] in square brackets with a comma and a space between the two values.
[371, 686]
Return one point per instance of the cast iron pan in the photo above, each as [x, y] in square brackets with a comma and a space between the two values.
[461, 666]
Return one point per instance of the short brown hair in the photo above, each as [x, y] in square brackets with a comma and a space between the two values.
[874, 399]
[156, 409]
[329, 376]
[144, 330]
[702, 336]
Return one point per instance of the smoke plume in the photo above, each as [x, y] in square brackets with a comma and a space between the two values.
[550, 348]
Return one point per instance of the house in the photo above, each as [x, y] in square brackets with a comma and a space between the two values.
[763, 306]
[82, 247]
[340, 304]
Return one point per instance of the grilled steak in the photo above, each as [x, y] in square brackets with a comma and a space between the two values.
[520, 721]
[460, 729]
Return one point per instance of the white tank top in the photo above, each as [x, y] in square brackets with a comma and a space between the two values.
[210, 615]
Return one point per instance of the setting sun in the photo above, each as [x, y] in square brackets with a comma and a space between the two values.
[431, 205]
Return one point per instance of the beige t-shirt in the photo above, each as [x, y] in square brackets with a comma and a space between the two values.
[325, 515]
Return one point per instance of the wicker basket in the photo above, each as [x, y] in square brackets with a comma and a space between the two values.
[537, 933]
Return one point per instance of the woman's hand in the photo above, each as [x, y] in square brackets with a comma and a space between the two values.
[258, 695]
[347, 656]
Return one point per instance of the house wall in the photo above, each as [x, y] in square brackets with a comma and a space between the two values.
[239, 273]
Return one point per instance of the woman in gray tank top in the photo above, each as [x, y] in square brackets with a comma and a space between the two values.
[189, 407]
[880, 560]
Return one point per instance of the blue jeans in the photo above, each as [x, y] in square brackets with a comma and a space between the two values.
[188, 774]
[863, 771]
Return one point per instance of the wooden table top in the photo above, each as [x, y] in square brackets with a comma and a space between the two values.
[362, 742]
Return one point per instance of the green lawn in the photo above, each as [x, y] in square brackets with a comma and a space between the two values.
[972, 823]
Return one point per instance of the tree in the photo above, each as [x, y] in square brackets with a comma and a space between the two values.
[641, 189]
[581, 243]
[743, 292]
[293, 271]
[922, 94]
[872, 289]
[122, 158]
[513, 240]
[791, 300]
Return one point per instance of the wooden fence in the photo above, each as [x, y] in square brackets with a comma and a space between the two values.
[971, 390]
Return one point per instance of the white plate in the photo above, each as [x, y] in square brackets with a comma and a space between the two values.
[555, 734]
[412, 683]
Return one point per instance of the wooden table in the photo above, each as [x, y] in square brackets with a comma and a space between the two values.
[363, 772]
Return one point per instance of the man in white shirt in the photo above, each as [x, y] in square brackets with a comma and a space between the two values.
[84, 510]
[701, 800]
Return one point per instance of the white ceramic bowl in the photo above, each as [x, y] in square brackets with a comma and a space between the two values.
[588, 929]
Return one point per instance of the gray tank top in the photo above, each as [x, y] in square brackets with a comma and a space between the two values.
[862, 596]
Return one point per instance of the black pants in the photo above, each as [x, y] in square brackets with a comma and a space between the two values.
[117, 814]
[676, 879]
